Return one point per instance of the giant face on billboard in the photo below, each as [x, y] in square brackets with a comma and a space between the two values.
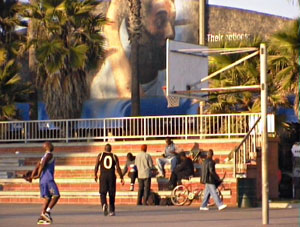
[161, 19]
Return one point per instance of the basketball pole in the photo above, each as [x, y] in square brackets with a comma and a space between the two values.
[264, 150]
[202, 35]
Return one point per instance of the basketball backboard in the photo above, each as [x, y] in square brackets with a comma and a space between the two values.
[185, 68]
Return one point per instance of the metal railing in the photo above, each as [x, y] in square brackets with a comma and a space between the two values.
[133, 128]
[246, 151]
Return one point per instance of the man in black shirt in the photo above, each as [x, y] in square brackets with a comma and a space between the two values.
[182, 170]
[108, 163]
[210, 178]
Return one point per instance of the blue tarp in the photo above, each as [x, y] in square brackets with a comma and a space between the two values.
[114, 108]
[289, 114]
[111, 108]
[23, 109]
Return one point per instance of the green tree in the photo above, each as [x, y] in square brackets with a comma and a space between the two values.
[67, 44]
[12, 90]
[12, 47]
[283, 60]
[246, 73]
[11, 41]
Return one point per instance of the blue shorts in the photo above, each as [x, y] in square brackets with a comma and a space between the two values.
[49, 189]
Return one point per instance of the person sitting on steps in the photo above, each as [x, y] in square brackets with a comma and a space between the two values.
[131, 168]
[169, 157]
[182, 171]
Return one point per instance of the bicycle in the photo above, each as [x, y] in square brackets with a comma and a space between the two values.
[183, 194]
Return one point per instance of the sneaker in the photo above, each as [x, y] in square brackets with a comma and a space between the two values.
[49, 215]
[131, 187]
[104, 208]
[204, 208]
[112, 213]
[222, 207]
[46, 216]
[42, 221]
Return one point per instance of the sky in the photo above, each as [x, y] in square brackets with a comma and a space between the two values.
[282, 8]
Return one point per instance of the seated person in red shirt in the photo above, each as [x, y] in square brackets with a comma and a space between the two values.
[182, 170]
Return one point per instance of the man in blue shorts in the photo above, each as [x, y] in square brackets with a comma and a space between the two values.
[44, 171]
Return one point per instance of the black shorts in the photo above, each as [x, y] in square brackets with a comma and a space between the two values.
[107, 183]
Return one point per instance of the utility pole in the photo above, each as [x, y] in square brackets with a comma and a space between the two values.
[202, 27]
[264, 150]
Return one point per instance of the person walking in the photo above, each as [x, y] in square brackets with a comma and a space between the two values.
[108, 163]
[144, 164]
[210, 178]
[44, 171]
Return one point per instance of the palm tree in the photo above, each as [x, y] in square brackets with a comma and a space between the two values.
[134, 35]
[12, 90]
[284, 60]
[11, 41]
[247, 73]
[12, 47]
[67, 44]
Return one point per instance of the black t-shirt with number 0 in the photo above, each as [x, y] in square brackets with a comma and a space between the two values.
[107, 163]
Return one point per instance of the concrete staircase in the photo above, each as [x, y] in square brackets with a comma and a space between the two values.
[75, 170]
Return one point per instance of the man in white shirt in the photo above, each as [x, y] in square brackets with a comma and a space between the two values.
[144, 164]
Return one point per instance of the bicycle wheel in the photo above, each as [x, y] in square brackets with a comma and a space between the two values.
[179, 195]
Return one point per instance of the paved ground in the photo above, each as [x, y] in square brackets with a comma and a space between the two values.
[70, 215]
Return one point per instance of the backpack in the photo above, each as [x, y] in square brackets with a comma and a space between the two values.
[165, 202]
[153, 199]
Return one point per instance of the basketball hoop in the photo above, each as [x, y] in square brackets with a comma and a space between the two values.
[173, 101]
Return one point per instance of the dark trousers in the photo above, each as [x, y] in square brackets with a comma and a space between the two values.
[144, 190]
[108, 185]
[177, 176]
[133, 176]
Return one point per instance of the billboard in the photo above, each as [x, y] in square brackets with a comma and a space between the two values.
[161, 19]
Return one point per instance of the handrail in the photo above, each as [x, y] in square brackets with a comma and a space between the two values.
[233, 153]
[247, 135]
[131, 128]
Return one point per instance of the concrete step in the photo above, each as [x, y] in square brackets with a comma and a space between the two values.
[85, 158]
[88, 171]
[157, 184]
[88, 167]
[128, 198]
[3, 175]
[123, 146]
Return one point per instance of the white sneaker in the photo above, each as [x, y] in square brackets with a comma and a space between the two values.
[204, 208]
[222, 207]
[131, 187]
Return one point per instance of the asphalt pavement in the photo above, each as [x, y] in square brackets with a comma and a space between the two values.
[90, 215]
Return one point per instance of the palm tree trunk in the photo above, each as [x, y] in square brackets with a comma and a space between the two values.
[134, 30]
[297, 95]
[30, 36]
[32, 65]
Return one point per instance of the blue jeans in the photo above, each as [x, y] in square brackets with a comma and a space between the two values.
[162, 161]
[210, 190]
